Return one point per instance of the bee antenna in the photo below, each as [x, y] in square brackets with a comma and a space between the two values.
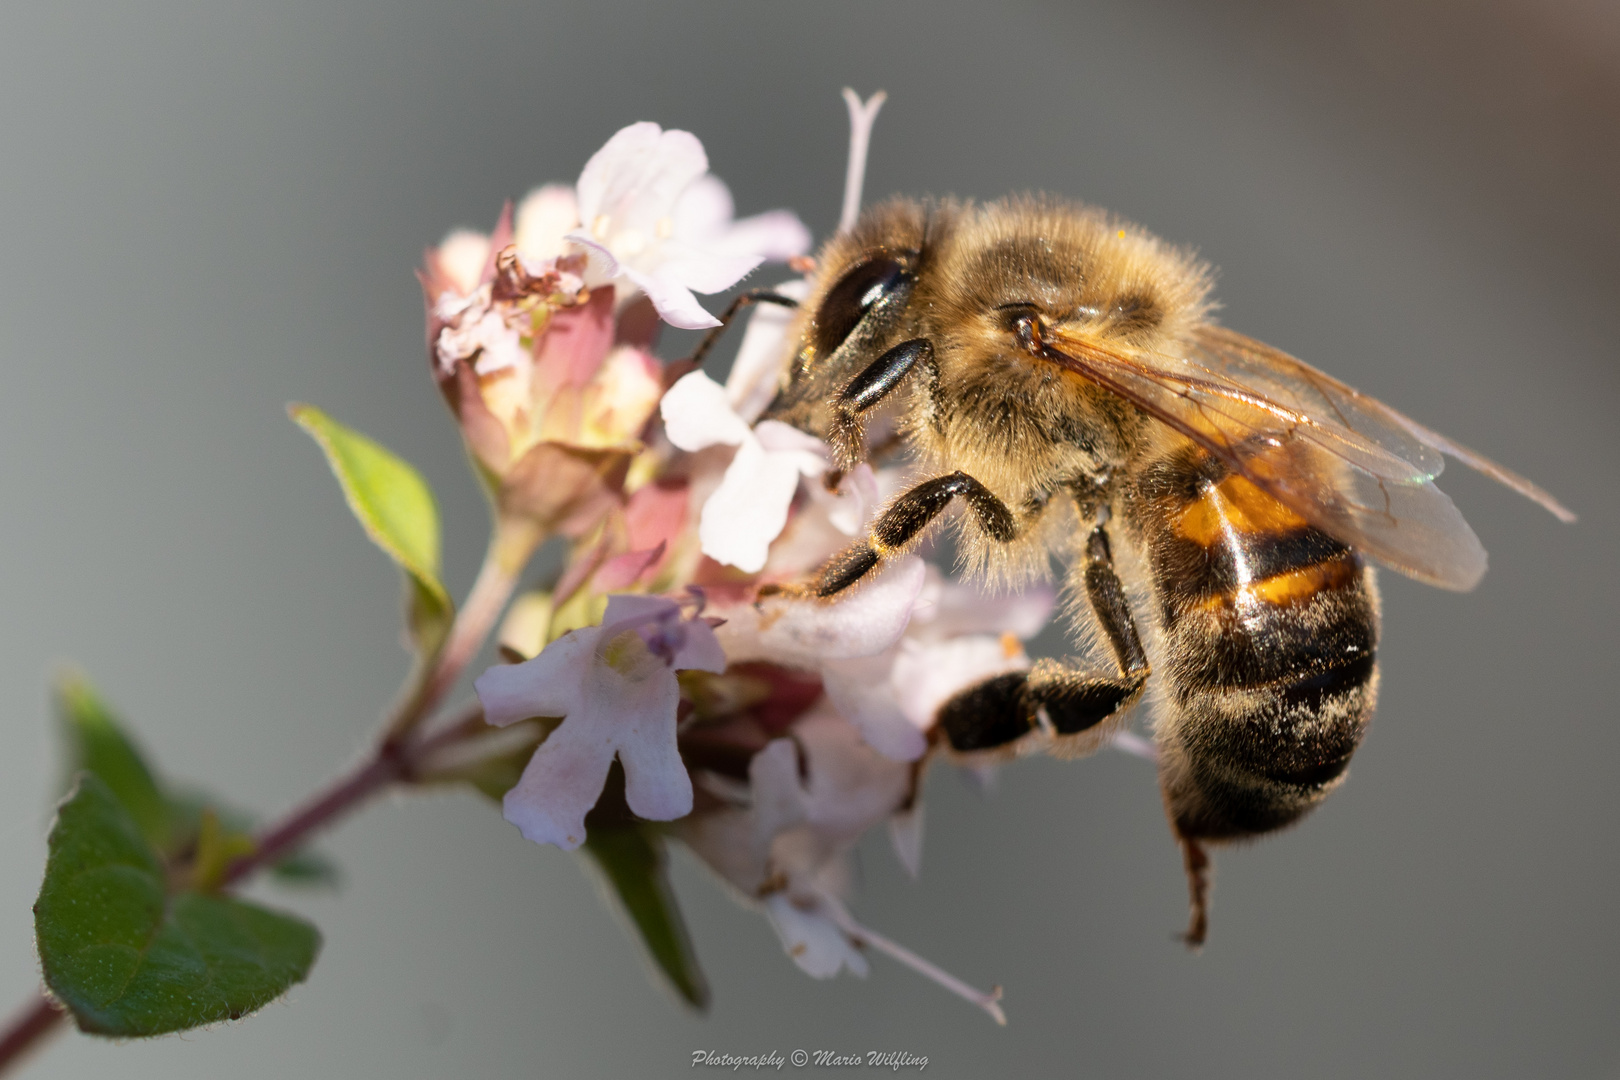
[862, 115]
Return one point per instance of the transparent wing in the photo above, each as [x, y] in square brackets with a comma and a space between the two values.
[1353, 467]
[1274, 373]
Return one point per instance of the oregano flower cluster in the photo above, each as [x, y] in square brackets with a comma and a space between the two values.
[660, 689]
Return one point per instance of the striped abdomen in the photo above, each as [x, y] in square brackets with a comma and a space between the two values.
[1267, 637]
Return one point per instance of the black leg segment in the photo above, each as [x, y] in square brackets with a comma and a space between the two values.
[881, 377]
[999, 712]
[753, 296]
[907, 517]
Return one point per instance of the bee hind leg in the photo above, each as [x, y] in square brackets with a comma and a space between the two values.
[1198, 868]
[1000, 711]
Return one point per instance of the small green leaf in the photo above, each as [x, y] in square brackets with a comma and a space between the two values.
[97, 743]
[633, 863]
[187, 810]
[306, 868]
[395, 506]
[130, 959]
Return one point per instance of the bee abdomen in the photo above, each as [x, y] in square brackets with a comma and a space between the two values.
[1269, 636]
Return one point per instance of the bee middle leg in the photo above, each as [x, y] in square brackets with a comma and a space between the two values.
[997, 713]
[905, 519]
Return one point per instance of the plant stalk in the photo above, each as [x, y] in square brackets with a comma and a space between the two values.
[394, 760]
[35, 1021]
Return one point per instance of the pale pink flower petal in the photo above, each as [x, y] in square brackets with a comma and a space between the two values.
[863, 692]
[461, 258]
[703, 211]
[807, 633]
[958, 608]
[636, 177]
[778, 797]
[656, 784]
[615, 687]
[651, 216]
[906, 838]
[675, 303]
[809, 453]
[548, 685]
[856, 501]
[760, 357]
[697, 415]
[705, 270]
[700, 650]
[544, 217]
[749, 508]
[927, 674]
[560, 785]
[813, 940]
[849, 786]
[747, 511]
[775, 236]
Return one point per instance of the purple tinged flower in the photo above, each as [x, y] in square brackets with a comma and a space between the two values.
[651, 215]
[614, 686]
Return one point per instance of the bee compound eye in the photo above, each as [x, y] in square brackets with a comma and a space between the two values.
[856, 293]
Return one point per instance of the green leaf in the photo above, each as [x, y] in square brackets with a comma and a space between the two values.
[126, 957]
[97, 744]
[633, 863]
[395, 506]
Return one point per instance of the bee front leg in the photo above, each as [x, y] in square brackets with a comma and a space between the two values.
[905, 519]
[752, 296]
[847, 435]
[997, 713]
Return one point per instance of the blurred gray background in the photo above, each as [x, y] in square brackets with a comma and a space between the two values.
[209, 209]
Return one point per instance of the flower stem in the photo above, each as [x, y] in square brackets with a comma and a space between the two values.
[293, 831]
[394, 760]
[511, 544]
[35, 1021]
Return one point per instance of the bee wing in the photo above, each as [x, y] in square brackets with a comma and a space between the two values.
[1353, 467]
[1283, 378]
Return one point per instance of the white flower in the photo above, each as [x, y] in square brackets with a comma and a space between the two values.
[958, 635]
[650, 214]
[811, 797]
[806, 634]
[750, 507]
[544, 219]
[762, 353]
[615, 687]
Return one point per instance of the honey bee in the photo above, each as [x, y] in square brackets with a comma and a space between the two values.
[1057, 371]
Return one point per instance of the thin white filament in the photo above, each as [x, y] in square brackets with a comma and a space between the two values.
[990, 1002]
[862, 115]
